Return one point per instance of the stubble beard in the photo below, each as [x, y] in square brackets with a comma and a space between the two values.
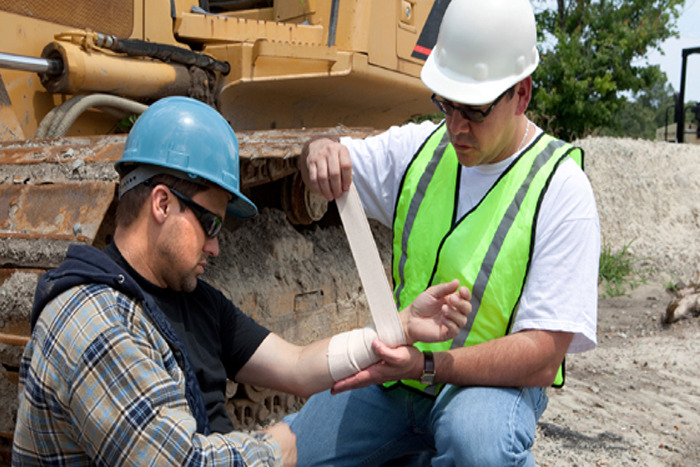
[188, 283]
[178, 281]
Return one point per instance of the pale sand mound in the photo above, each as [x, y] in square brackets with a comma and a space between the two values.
[648, 195]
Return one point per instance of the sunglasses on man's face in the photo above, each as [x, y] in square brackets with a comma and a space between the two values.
[211, 223]
[468, 113]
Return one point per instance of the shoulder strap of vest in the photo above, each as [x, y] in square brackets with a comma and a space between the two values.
[432, 160]
[436, 135]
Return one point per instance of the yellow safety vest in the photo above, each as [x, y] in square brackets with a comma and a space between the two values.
[489, 249]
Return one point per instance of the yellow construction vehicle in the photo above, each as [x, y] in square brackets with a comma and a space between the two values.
[74, 74]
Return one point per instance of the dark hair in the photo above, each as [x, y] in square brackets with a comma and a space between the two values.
[511, 91]
[130, 205]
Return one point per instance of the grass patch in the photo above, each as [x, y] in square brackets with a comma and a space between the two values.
[672, 285]
[617, 271]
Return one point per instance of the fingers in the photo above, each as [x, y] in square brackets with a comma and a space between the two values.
[460, 300]
[444, 289]
[458, 316]
[453, 296]
[455, 312]
[335, 171]
[392, 356]
[358, 380]
[386, 353]
[345, 167]
[329, 168]
[451, 325]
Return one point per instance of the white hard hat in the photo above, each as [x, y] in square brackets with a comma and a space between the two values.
[483, 48]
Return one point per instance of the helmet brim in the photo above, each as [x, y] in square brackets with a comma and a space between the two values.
[241, 207]
[466, 91]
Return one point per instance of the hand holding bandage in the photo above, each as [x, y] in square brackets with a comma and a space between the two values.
[436, 315]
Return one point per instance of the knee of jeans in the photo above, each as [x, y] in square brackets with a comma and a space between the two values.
[479, 436]
[492, 445]
[314, 406]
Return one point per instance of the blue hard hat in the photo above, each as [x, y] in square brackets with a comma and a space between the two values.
[186, 138]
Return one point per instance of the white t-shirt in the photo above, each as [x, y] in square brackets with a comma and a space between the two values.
[561, 293]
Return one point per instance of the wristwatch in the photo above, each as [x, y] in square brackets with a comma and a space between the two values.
[428, 376]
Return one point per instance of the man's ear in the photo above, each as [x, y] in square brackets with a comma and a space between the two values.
[160, 202]
[523, 93]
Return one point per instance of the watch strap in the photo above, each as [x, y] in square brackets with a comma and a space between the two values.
[428, 375]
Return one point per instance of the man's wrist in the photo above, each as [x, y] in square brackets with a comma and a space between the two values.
[404, 317]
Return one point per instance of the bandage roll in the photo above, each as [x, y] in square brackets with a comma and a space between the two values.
[351, 352]
[369, 264]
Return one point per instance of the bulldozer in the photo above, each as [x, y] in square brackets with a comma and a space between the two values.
[74, 76]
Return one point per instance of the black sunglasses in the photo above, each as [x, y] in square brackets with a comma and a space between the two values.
[211, 223]
[468, 113]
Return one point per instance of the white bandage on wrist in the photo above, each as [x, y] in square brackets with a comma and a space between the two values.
[351, 352]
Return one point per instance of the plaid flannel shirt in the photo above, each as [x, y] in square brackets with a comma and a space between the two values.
[100, 386]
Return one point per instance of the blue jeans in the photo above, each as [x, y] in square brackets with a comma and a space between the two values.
[464, 426]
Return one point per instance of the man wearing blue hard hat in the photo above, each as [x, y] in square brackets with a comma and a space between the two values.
[130, 350]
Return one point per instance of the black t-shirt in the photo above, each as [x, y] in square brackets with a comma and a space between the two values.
[218, 336]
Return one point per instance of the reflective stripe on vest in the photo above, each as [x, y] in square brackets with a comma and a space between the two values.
[488, 249]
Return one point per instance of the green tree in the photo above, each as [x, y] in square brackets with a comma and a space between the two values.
[589, 55]
[640, 115]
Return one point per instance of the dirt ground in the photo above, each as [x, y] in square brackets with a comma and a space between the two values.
[635, 399]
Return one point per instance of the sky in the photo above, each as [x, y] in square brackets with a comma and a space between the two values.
[689, 28]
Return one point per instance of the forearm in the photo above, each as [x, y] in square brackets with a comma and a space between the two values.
[280, 365]
[325, 362]
[525, 359]
[313, 373]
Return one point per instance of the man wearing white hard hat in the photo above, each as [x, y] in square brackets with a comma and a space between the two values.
[485, 197]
